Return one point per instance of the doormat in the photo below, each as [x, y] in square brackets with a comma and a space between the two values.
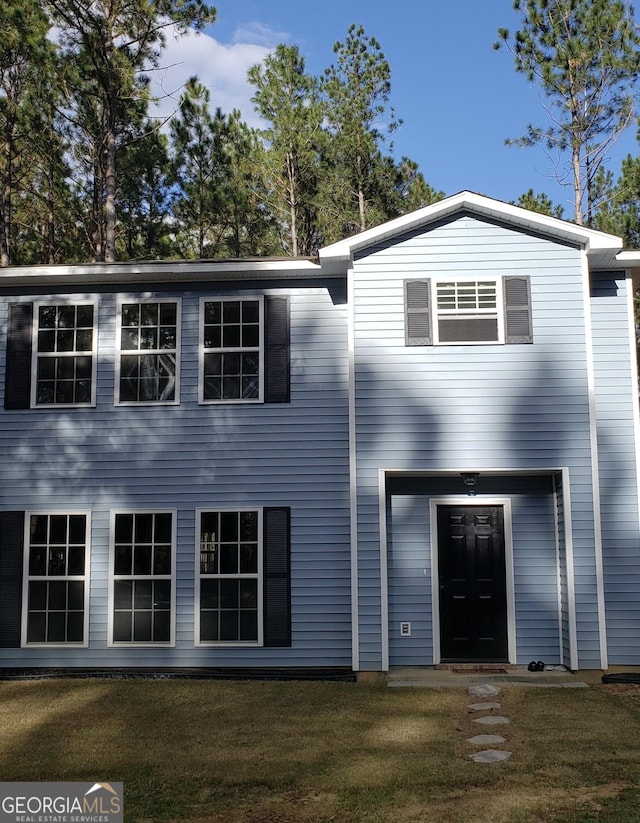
[479, 670]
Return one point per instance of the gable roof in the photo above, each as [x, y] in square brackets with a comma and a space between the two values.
[600, 247]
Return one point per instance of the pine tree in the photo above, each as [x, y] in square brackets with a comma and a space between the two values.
[584, 55]
[198, 171]
[287, 98]
[143, 201]
[109, 44]
[619, 210]
[356, 90]
[539, 202]
[26, 56]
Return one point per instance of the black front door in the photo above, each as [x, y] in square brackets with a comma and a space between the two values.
[472, 580]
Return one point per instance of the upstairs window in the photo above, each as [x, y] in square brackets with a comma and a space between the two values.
[232, 350]
[64, 355]
[474, 311]
[148, 364]
[467, 311]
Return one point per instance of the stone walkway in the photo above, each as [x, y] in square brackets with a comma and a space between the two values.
[485, 747]
[492, 755]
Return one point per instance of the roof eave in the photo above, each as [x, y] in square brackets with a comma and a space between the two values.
[338, 255]
[162, 272]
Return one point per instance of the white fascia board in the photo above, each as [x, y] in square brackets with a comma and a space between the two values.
[338, 254]
[629, 258]
[159, 272]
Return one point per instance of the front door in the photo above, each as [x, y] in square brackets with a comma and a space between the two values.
[472, 584]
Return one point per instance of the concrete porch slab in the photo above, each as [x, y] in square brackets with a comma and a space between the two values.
[431, 678]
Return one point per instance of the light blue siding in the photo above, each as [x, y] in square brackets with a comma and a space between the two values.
[409, 561]
[188, 456]
[616, 396]
[435, 408]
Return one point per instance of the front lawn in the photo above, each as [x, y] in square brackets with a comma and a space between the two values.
[267, 752]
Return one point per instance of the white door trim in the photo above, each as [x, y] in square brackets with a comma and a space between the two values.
[468, 500]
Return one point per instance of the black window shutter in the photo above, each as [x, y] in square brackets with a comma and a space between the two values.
[17, 386]
[417, 312]
[277, 576]
[277, 355]
[517, 306]
[11, 542]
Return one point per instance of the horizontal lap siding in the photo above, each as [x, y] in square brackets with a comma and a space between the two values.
[188, 456]
[442, 407]
[536, 579]
[409, 562]
[616, 396]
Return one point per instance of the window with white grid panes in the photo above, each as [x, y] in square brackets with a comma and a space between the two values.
[148, 361]
[64, 354]
[232, 350]
[229, 584]
[142, 580]
[56, 570]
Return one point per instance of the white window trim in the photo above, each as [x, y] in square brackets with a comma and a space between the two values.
[226, 644]
[35, 353]
[26, 578]
[141, 301]
[202, 350]
[475, 278]
[137, 644]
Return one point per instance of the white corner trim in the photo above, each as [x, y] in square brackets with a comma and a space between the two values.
[595, 464]
[571, 582]
[556, 525]
[384, 576]
[353, 481]
[634, 388]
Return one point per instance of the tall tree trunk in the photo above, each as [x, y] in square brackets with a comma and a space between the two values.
[293, 206]
[6, 204]
[110, 199]
[362, 211]
[51, 222]
[5, 227]
[96, 213]
[577, 184]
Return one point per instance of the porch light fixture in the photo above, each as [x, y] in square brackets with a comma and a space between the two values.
[470, 479]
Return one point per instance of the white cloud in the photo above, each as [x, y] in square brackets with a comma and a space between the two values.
[260, 34]
[222, 68]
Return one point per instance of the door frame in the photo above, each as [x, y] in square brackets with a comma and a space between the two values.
[468, 500]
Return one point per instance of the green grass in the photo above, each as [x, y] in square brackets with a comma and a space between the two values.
[258, 752]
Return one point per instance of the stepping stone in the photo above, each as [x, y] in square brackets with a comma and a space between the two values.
[484, 690]
[481, 707]
[492, 720]
[486, 740]
[490, 756]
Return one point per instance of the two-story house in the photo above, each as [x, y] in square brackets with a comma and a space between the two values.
[420, 449]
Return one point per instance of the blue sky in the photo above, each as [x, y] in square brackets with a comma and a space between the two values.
[458, 98]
